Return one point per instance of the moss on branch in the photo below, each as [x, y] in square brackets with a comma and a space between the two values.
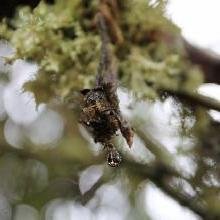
[63, 40]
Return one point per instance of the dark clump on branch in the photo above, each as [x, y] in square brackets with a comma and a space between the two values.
[100, 106]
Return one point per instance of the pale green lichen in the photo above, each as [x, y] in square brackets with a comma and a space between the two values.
[62, 41]
[146, 15]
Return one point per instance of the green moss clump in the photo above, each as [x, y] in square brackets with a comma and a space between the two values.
[141, 17]
[62, 39]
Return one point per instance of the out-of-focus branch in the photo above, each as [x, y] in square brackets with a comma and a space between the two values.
[208, 60]
[161, 170]
[158, 176]
[163, 156]
[48, 156]
[194, 98]
[90, 194]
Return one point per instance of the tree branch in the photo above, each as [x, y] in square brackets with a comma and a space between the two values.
[163, 169]
[208, 60]
[194, 98]
[158, 176]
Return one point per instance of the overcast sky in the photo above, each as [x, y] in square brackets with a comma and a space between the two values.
[199, 21]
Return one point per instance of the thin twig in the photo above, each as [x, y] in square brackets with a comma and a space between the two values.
[90, 194]
[153, 145]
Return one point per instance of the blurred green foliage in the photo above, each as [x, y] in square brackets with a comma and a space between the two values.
[65, 44]
[62, 39]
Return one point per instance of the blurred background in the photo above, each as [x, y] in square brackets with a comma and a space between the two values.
[51, 169]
